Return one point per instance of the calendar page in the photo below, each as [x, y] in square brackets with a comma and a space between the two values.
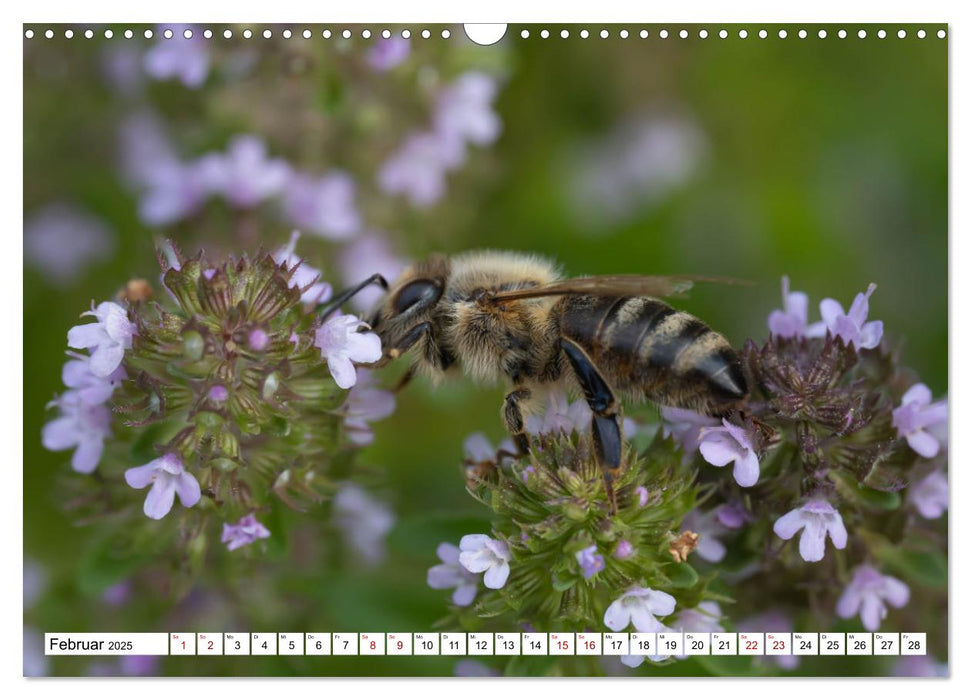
[538, 350]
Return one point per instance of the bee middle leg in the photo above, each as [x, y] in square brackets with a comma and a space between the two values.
[512, 417]
[605, 427]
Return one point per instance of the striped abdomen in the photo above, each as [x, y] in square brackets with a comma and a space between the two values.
[646, 348]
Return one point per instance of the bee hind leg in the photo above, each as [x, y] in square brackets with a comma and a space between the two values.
[512, 417]
[605, 427]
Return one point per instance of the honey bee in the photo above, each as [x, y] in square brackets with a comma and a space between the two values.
[505, 315]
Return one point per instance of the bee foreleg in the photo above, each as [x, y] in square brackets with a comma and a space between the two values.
[608, 439]
[512, 417]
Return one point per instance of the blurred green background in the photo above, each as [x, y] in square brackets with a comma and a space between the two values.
[823, 159]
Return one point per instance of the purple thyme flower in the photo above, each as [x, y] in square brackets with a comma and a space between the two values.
[143, 147]
[850, 327]
[365, 403]
[35, 582]
[482, 553]
[80, 425]
[91, 388]
[639, 606]
[732, 515]
[915, 415]
[464, 110]
[556, 419]
[685, 426]
[816, 519]
[930, 495]
[107, 339]
[730, 443]
[121, 69]
[364, 521]
[868, 594]
[244, 175]
[590, 562]
[342, 341]
[642, 495]
[388, 53]
[168, 478]
[304, 276]
[138, 665]
[178, 57]
[623, 550]
[218, 393]
[791, 321]
[368, 254]
[417, 169]
[709, 547]
[258, 340]
[61, 240]
[451, 574]
[174, 192]
[478, 449]
[704, 618]
[245, 532]
[324, 206]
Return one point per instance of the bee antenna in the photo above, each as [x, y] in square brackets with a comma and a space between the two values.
[327, 308]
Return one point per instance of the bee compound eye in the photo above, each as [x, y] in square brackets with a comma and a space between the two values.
[421, 292]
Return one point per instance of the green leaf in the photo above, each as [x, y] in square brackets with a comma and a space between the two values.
[681, 575]
[926, 568]
[850, 489]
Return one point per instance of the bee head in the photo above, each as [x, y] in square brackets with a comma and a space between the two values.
[411, 300]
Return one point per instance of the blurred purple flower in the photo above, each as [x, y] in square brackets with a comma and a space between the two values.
[121, 66]
[107, 339]
[732, 515]
[217, 393]
[730, 443]
[174, 192]
[178, 57]
[464, 112]
[138, 665]
[244, 175]
[915, 415]
[703, 618]
[623, 550]
[366, 255]
[791, 321]
[245, 532]
[364, 521]
[143, 146]
[451, 574]
[323, 206]
[258, 340]
[920, 666]
[116, 595]
[344, 340]
[816, 519]
[388, 53]
[685, 426]
[80, 425]
[35, 661]
[468, 668]
[305, 277]
[638, 164]
[930, 495]
[709, 547]
[868, 593]
[590, 562]
[482, 553]
[35, 582]
[60, 240]
[642, 496]
[639, 606]
[417, 169]
[364, 404]
[478, 449]
[168, 478]
[556, 418]
[850, 327]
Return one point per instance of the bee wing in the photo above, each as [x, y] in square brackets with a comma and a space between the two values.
[613, 285]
